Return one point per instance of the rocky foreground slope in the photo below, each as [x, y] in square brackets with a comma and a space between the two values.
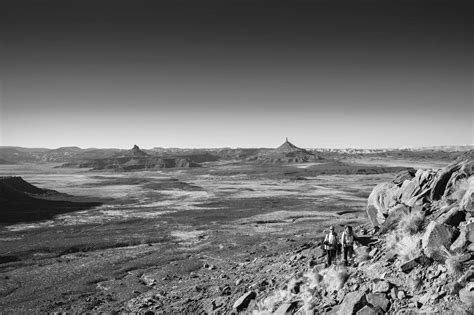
[414, 257]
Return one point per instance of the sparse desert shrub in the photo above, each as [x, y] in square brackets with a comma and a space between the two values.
[314, 279]
[312, 285]
[411, 223]
[311, 289]
[392, 239]
[409, 247]
[466, 295]
[270, 304]
[452, 262]
[305, 283]
[361, 253]
[405, 246]
[463, 191]
[334, 278]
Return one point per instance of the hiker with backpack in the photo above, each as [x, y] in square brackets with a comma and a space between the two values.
[347, 243]
[330, 246]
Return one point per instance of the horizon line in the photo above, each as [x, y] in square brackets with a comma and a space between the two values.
[236, 148]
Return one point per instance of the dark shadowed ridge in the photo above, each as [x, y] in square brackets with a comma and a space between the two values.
[21, 201]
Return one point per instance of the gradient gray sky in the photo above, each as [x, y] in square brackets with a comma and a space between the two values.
[236, 73]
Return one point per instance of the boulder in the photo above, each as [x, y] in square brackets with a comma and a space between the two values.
[361, 250]
[244, 301]
[464, 258]
[408, 190]
[381, 287]
[461, 241]
[286, 308]
[409, 265]
[425, 177]
[453, 217]
[424, 261]
[470, 247]
[393, 293]
[378, 300]
[466, 199]
[425, 298]
[414, 283]
[466, 295]
[438, 295]
[373, 252]
[436, 237]
[294, 287]
[466, 277]
[405, 175]
[417, 200]
[470, 232]
[441, 181]
[366, 310]
[225, 290]
[383, 197]
[353, 301]
[372, 213]
[216, 304]
[401, 295]
[457, 180]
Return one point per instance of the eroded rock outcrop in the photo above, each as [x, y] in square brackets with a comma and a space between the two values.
[453, 184]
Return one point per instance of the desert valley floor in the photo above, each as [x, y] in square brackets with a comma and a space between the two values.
[157, 229]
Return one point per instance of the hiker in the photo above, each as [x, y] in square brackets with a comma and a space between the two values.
[330, 245]
[347, 242]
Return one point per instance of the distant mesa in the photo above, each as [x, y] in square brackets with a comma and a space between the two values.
[135, 159]
[288, 147]
[285, 153]
[136, 151]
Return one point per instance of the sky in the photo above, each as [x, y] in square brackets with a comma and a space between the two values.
[236, 73]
